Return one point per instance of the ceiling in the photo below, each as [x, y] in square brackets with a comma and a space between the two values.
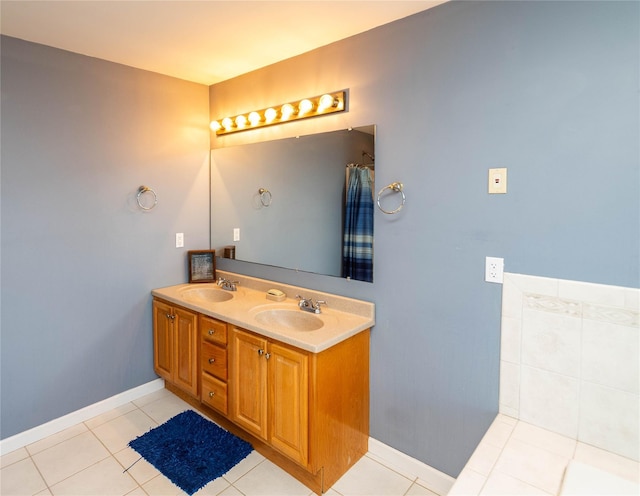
[204, 41]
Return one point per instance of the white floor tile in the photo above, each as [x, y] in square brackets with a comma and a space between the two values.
[161, 486]
[13, 457]
[21, 478]
[214, 487]
[117, 433]
[505, 485]
[267, 479]
[468, 482]
[249, 463]
[110, 415]
[105, 478]
[165, 408]
[137, 467]
[418, 490]
[609, 462]
[545, 439]
[69, 457]
[54, 439]
[368, 477]
[533, 465]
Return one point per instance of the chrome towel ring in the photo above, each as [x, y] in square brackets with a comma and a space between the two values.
[265, 197]
[396, 188]
[141, 191]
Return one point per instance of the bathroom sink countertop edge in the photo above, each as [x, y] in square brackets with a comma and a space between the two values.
[244, 305]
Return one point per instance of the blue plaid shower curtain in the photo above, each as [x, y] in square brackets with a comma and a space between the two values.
[357, 252]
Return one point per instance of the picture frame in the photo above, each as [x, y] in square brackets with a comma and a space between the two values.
[202, 266]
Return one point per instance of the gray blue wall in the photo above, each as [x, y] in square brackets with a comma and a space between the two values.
[548, 90]
[79, 258]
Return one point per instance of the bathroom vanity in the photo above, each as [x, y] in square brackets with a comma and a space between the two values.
[294, 384]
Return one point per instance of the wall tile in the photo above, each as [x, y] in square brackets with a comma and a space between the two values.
[551, 341]
[614, 315]
[511, 298]
[549, 400]
[510, 340]
[534, 284]
[632, 299]
[609, 420]
[610, 355]
[509, 389]
[592, 293]
[551, 304]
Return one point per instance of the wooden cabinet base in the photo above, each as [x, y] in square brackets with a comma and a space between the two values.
[312, 481]
[338, 415]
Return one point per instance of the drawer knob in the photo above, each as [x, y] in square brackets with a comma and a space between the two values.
[211, 331]
[211, 360]
[211, 393]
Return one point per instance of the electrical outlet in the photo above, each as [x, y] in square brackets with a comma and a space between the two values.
[494, 269]
[179, 240]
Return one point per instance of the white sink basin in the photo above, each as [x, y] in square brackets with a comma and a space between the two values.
[296, 320]
[209, 293]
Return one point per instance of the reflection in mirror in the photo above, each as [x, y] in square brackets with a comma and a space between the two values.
[288, 203]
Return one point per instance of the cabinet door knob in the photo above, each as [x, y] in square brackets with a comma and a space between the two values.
[211, 331]
[267, 356]
[211, 360]
[211, 393]
[260, 352]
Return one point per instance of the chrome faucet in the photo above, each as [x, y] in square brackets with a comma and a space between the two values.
[308, 305]
[227, 284]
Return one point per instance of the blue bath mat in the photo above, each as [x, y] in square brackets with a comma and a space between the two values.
[190, 450]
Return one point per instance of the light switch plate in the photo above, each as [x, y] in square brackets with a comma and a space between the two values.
[179, 240]
[236, 234]
[498, 181]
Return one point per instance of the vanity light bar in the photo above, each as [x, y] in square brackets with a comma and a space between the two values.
[279, 114]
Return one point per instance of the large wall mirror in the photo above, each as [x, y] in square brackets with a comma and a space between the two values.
[302, 203]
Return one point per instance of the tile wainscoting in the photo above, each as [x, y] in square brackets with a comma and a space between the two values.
[569, 360]
[569, 389]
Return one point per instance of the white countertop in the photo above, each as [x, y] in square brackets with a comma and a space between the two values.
[341, 317]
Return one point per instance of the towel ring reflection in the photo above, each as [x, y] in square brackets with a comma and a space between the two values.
[145, 189]
[265, 197]
[396, 188]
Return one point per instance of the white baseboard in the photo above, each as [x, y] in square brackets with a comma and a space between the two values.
[432, 479]
[61, 423]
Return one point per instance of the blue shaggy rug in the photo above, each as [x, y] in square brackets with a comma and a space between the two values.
[190, 450]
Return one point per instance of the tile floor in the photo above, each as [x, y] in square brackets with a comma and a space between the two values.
[90, 459]
[518, 458]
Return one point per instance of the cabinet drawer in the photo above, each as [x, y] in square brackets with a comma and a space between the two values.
[213, 330]
[214, 393]
[213, 359]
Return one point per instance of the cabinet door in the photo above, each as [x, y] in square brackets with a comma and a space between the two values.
[186, 350]
[289, 401]
[248, 382]
[162, 336]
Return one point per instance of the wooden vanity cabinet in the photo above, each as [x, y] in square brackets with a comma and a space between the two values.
[213, 363]
[175, 345]
[307, 412]
[270, 392]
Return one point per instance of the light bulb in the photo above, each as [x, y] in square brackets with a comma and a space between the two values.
[227, 123]
[270, 114]
[215, 126]
[305, 106]
[287, 111]
[254, 118]
[241, 121]
[326, 102]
